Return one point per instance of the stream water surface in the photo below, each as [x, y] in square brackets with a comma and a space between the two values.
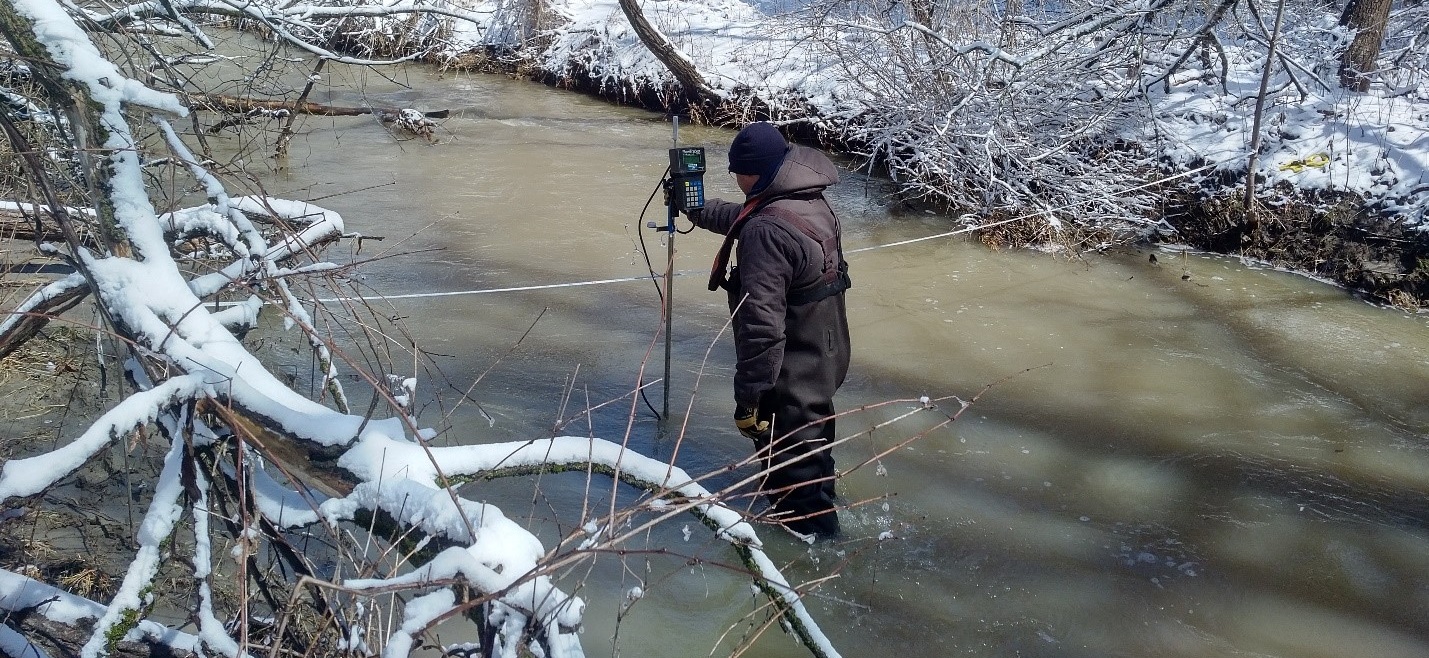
[1189, 457]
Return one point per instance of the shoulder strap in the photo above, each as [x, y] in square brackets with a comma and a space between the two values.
[833, 276]
[718, 277]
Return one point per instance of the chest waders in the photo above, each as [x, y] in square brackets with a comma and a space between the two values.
[796, 455]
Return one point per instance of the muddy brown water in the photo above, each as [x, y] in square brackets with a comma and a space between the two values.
[1195, 457]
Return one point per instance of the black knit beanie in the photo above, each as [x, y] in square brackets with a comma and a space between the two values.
[758, 149]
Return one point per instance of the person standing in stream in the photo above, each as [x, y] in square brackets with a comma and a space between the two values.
[786, 294]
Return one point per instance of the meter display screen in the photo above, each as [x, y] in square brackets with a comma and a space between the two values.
[687, 161]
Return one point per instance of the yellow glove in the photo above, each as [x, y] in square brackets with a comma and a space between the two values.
[747, 420]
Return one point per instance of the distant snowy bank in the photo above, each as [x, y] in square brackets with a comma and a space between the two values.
[1079, 124]
[1135, 118]
[1315, 135]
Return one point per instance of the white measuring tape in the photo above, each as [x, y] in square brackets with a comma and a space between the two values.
[966, 229]
[484, 291]
[573, 284]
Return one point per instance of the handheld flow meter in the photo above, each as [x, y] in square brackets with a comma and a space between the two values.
[687, 178]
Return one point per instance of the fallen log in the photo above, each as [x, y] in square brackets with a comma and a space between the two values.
[242, 104]
[60, 639]
[412, 120]
[14, 225]
[34, 314]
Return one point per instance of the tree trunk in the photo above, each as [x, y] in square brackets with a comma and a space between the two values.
[87, 131]
[1368, 18]
[695, 88]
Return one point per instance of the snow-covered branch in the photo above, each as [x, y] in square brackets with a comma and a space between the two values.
[26, 319]
[400, 479]
[31, 475]
[154, 532]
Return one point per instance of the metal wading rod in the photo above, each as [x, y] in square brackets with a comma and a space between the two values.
[670, 271]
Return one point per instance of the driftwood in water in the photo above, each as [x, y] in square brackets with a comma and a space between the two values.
[241, 105]
[411, 120]
[21, 225]
[15, 225]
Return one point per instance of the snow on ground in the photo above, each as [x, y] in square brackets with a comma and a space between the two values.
[1375, 144]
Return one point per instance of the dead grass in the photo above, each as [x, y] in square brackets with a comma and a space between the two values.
[86, 581]
[1403, 300]
[51, 546]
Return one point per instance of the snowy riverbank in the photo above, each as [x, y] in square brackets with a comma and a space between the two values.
[1039, 127]
[1316, 135]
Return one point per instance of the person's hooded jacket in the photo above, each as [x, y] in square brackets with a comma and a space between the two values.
[803, 348]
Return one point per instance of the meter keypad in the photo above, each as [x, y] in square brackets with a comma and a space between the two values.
[692, 194]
